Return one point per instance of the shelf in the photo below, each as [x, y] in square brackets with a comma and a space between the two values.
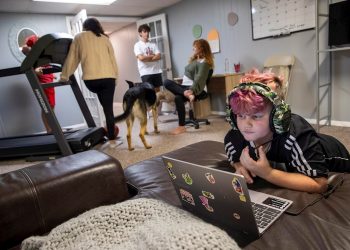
[333, 49]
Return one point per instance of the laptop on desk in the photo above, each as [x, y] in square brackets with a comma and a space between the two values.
[223, 198]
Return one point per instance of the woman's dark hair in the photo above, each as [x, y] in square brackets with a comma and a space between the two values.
[144, 27]
[93, 25]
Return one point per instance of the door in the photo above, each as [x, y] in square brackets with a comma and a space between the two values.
[75, 25]
[159, 35]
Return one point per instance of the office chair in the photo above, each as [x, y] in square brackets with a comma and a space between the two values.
[192, 117]
[281, 65]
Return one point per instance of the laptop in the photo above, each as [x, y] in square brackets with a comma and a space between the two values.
[223, 198]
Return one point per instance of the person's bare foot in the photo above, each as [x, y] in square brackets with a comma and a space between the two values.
[178, 130]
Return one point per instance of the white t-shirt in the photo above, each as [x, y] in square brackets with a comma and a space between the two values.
[147, 68]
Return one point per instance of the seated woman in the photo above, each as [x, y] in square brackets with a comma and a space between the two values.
[193, 82]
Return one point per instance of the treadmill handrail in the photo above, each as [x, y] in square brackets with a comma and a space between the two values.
[10, 71]
[55, 84]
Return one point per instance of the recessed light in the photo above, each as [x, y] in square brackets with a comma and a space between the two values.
[96, 2]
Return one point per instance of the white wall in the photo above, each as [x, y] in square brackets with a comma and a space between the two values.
[123, 43]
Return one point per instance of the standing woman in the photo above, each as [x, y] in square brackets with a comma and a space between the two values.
[94, 51]
[193, 82]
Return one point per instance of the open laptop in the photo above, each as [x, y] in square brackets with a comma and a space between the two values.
[223, 198]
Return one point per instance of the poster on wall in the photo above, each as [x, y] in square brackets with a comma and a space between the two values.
[214, 41]
[281, 17]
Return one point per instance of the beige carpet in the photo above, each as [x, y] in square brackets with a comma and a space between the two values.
[164, 142]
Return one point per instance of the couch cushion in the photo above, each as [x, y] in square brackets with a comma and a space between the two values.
[35, 199]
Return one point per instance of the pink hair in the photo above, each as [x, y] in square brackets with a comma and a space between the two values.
[247, 101]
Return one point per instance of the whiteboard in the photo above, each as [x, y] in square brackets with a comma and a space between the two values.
[281, 17]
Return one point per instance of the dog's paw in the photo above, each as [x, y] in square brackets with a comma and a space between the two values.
[148, 146]
[156, 131]
[131, 148]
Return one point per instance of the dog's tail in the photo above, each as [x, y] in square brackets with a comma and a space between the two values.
[128, 104]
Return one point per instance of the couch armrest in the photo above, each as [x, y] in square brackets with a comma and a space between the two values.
[35, 199]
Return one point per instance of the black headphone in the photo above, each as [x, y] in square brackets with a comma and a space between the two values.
[280, 115]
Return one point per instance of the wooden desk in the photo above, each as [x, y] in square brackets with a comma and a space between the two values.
[219, 87]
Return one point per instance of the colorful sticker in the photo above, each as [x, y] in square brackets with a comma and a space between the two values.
[236, 216]
[242, 198]
[237, 186]
[210, 178]
[205, 203]
[169, 167]
[208, 195]
[187, 196]
[238, 189]
[187, 178]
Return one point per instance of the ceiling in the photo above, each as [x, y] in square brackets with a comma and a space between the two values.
[127, 11]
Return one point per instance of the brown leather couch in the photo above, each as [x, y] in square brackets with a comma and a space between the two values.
[36, 199]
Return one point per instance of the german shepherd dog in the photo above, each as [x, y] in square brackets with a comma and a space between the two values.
[137, 100]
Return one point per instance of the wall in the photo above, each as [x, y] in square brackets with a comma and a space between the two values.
[123, 43]
[19, 110]
[236, 45]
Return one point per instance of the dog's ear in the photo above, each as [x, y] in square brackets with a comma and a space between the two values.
[130, 83]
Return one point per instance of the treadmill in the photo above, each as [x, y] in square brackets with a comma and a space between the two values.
[51, 49]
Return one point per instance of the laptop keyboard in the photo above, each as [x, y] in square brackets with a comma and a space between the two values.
[264, 214]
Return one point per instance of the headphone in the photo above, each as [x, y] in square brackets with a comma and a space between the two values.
[280, 115]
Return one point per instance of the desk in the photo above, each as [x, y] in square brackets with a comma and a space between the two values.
[219, 87]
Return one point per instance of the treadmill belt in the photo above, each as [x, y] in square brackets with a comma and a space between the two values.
[45, 144]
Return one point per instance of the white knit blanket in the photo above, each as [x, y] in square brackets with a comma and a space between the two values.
[134, 224]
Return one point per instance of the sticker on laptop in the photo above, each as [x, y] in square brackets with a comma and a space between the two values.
[210, 178]
[236, 216]
[205, 203]
[187, 178]
[208, 194]
[171, 173]
[238, 189]
[187, 196]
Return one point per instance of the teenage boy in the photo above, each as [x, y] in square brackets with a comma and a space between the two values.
[265, 130]
[148, 56]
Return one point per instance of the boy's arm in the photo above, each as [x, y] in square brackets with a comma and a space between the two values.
[295, 181]
[156, 57]
[148, 58]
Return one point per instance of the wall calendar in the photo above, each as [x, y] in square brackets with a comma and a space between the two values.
[281, 17]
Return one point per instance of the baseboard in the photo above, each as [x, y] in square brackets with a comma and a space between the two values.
[218, 113]
[333, 123]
